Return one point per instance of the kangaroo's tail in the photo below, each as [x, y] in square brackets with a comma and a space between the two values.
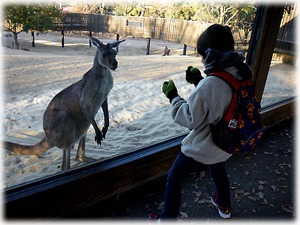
[36, 149]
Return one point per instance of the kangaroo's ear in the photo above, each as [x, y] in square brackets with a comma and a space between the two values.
[115, 44]
[96, 42]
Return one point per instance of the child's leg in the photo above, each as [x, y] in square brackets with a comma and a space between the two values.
[180, 168]
[219, 175]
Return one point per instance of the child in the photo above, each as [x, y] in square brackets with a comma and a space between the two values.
[205, 106]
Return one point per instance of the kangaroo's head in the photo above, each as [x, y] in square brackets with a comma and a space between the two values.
[106, 55]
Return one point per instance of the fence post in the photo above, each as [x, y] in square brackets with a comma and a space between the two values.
[117, 38]
[90, 43]
[148, 46]
[184, 49]
[63, 38]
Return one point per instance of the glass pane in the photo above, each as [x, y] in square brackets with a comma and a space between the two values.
[139, 111]
[281, 81]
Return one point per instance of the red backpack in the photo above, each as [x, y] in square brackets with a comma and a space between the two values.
[240, 129]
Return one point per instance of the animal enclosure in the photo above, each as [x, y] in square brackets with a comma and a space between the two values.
[174, 30]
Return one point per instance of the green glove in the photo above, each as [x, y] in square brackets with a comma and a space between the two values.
[169, 89]
[193, 75]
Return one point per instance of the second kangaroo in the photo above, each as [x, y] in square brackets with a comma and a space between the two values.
[71, 112]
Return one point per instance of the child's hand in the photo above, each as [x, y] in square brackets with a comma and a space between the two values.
[193, 75]
[169, 89]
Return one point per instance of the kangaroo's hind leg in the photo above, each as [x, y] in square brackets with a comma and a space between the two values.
[81, 151]
[66, 159]
[60, 130]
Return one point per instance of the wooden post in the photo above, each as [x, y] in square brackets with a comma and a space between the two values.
[148, 46]
[3, 42]
[117, 38]
[264, 46]
[90, 43]
[63, 38]
[184, 49]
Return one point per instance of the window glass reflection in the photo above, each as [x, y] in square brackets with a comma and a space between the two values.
[281, 81]
[139, 113]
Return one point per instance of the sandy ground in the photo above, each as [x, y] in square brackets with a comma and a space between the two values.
[139, 112]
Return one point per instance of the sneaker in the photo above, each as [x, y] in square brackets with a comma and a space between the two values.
[153, 218]
[224, 212]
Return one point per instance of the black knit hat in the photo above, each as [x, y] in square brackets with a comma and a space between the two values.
[216, 37]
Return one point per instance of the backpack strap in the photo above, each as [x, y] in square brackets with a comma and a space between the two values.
[228, 78]
[232, 81]
[235, 84]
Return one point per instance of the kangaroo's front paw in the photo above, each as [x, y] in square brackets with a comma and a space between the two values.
[99, 138]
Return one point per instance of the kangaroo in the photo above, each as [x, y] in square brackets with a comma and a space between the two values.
[166, 51]
[71, 112]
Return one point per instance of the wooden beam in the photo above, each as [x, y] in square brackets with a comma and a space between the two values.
[265, 44]
[278, 112]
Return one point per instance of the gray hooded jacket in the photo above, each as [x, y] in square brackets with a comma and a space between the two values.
[206, 105]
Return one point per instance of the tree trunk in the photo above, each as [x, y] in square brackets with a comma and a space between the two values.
[32, 34]
[16, 40]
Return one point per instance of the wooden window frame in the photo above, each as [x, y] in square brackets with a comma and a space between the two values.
[59, 195]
